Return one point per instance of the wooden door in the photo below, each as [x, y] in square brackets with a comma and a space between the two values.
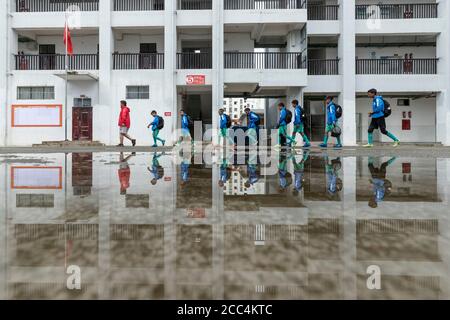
[82, 124]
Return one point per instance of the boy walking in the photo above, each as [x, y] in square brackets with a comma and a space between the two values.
[378, 119]
[298, 124]
[157, 125]
[125, 123]
[224, 125]
[253, 123]
[185, 128]
[331, 123]
[282, 126]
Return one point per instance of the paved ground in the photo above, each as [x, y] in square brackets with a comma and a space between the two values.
[402, 151]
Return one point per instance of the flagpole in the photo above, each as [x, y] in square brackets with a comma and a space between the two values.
[66, 62]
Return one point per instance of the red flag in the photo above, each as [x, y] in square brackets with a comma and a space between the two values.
[68, 40]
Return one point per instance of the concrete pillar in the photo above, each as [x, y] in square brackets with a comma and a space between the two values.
[347, 54]
[106, 47]
[3, 70]
[218, 63]
[443, 97]
[170, 67]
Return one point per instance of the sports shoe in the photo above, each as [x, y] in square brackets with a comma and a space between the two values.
[369, 145]
[323, 145]
[338, 145]
[278, 147]
[120, 145]
[155, 146]
[133, 142]
[307, 145]
[164, 142]
[396, 143]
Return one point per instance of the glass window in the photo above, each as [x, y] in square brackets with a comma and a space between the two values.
[138, 92]
[35, 93]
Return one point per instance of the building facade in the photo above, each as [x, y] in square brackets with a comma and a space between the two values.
[192, 54]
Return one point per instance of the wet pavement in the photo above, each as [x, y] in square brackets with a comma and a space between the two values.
[247, 226]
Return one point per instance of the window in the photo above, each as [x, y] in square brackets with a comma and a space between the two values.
[138, 92]
[35, 93]
[35, 201]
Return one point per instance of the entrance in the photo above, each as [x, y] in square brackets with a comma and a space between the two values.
[82, 124]
[147, 57]
[315, 122]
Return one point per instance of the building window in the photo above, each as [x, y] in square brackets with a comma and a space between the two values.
[138, 92]
[35, 93]
[35, 201]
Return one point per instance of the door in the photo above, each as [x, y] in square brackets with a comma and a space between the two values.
[47, 57]
[315, 123]
[82, 124]
[81, 173]
[147, 58]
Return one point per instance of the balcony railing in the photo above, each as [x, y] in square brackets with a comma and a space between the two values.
[55, 6]
[264, 60]
[56, 62]
[135, 61]
[323, 12]
[263, 4]
[396, 66]
[318, 67]
[397, 11]
[194, 4]
[138, 5]
[194, 60]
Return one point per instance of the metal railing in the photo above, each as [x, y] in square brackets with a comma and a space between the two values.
[134, 61]
[323, 12]
[194, 60]
[264, 60]
[318, 67]
[56, 62]
[396, 66]
[194, 4]
[55, 5]
[397, 11]
[138, 5]
[263, 4]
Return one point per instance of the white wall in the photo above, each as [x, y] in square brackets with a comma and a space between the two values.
[81, 44]
[418, 52]
[130, 43]
[423, 121]
[241, 42]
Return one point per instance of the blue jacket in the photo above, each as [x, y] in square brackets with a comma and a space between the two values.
[185, 171]
[378, 107]
[298, 115]
[283, 114]
[223, 121]
[252, 119]
[185, 122]
[252, 174]
[298, 180]
[331, 113]
[379, 189]
[155, 123]
[282, 176]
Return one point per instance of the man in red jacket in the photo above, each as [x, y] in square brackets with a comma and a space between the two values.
[125, 123]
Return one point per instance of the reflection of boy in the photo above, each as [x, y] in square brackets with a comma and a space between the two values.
[156, 168]
[380, 185]
[334, 184]
[252, 170]
[299, 169]
[224, 173]
[124, 173]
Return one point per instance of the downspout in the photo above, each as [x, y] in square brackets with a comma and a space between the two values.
[7, 74]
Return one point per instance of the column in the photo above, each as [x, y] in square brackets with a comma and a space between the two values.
[346, 49]
[218, 63]
[106, 48]
[3, 71]
[443, 97]
[170, 67]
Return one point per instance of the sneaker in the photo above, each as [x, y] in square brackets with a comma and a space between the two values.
[120, 145]
[396, 143]
[323, 145]
[278, 147]
[338, 145]
[294, 143]
[307, 145]
[133, 142]
[369, 145]
[155, 146]
[164, 142]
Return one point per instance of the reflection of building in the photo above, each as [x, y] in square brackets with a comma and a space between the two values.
[235, 107]
[236, 185]
[254, 246]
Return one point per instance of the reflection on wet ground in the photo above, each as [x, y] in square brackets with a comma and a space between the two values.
[157, 226]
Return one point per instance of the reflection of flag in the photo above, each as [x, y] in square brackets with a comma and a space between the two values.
[68, 40]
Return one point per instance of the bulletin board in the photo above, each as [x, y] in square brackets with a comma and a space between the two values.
[37, 115]
[36, 177]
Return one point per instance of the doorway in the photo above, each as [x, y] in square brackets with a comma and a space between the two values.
[47, 56]
[315, 122]
[82, 124]
[147, 57]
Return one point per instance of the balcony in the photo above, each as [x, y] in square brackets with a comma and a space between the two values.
[138, 5]
[397, 66]
[397, 11]
[263, 60]
[194, 5]
[323, 12]
[188, 60]
[321, 67]
[138, 61]
[56, 62]
[263, 4]
[55, 6]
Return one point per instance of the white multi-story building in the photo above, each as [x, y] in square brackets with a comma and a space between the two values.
[191, 54]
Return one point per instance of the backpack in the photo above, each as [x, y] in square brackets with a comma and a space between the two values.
[190, 121]
[160, 123]
[257, 122]
[228, 121]
[160, 170]
[387, 108]
[288, 116]
[338, 111]
[302, 114]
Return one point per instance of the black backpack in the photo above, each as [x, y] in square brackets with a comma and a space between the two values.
[302, 113]
[228, 121]
[160, 171]
[160, 123]
[387, 108]
[288, 116]
[257, 122]
[338, 111]
[190, 121]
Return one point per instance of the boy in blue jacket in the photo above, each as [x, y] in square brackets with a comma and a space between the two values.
[223, 122]
[282, 126]
[298, 124]
[331, 123]
[155, 130]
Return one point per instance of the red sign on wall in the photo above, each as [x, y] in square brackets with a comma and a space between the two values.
[195, 80]
[167, 114]
[406, 124]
